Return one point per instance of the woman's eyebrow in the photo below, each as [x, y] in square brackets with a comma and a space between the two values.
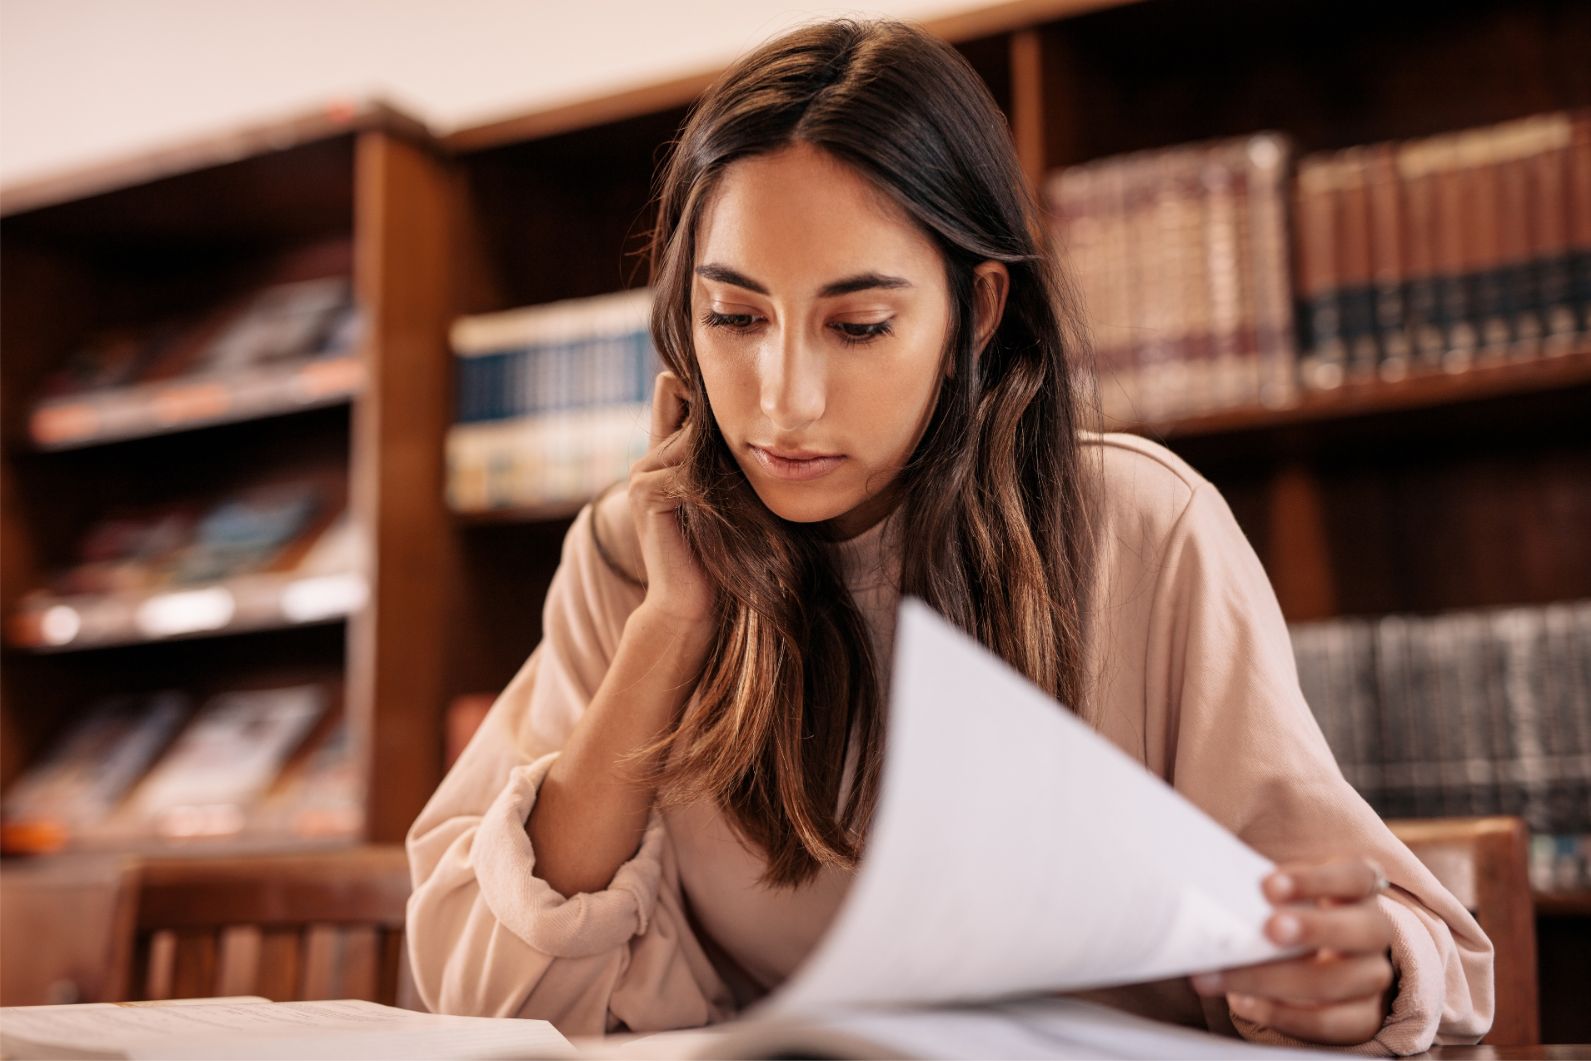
[859, 282]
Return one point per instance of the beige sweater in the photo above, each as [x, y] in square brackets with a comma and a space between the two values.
[1196, 680]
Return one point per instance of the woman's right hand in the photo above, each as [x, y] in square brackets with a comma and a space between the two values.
[676, 588]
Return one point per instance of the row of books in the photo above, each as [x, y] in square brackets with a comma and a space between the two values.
[1423, 255]
[1179, 259]
[1439, 253]
[576, 353]
[281, 347]
[553, 401]
[141, 769]
[1464, 713]
[278, 551]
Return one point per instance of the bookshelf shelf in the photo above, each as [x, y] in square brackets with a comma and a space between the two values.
[551, 512]
[193, 402]
[1563, 904]
[1569, 372]
[238, 605]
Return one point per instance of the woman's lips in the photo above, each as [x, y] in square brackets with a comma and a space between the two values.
[797, 469]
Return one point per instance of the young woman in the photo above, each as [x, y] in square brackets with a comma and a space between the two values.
[875, 389]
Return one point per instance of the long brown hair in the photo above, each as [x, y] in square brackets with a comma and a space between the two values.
[995, 494]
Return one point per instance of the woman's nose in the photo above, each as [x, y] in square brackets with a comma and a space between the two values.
[793, 383]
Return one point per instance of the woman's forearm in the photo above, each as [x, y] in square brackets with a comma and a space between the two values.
[589, 817]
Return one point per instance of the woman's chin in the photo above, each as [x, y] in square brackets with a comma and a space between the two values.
[797, 505]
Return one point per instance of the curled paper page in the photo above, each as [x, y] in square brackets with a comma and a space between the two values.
[1015, 851]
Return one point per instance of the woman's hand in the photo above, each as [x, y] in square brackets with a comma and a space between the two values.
[1338, 993]
[676, 588]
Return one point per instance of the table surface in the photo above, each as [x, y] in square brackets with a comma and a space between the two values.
[1545, 1052]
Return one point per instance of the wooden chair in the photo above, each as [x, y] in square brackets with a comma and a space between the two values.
[63, 923]
[288, 927]
[1484, 862]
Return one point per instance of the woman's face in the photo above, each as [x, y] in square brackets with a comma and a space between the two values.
[820, 315]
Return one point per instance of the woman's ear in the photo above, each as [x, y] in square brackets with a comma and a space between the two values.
[990, 282]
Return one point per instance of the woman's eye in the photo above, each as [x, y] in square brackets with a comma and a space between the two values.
[733, 321]
[851, 334]
[856, 334]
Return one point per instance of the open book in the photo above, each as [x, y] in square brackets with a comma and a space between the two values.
[1015, 854]
[250, 1027]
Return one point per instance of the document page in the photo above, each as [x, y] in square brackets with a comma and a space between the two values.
[1015, 851]
[342, 1029]
[1023, 1028]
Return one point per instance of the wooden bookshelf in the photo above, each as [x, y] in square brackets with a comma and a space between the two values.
[355, 190]
[1432, 492]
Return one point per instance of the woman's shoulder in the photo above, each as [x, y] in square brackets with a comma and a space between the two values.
[1142, 484]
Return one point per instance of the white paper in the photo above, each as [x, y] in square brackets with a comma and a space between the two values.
[1015, 851]
[1027, 1028]
[341, 1029]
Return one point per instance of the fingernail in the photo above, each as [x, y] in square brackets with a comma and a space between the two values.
[1282, 885]
[1286, 928]
[1242, 1005]
[1207, 983]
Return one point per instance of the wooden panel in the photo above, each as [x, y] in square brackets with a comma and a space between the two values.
[281, 951]
[359, 974]
[392, 962]
[1333, 75]
[255, 142]
[1027, 112]
[363, 886]
[395, 686]
[239, 965]
[988, 21]
[1299, 564]
[157, 959]
[322, 960]
[65, 930]
[194, 963]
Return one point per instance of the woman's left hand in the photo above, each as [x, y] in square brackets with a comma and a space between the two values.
[1338, 993]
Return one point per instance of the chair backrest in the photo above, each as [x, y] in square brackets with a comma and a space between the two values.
[1484, 862]
[64, 924]
[289, 927]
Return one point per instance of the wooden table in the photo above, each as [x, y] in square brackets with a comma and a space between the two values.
[1543, 1052]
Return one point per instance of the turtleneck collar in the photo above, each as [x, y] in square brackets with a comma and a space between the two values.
[873, 556]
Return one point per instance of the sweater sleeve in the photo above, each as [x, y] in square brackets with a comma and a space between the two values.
[486, 935]
[1245, 747]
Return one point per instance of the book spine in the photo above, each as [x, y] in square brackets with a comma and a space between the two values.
[1452, 254]
[1316, 208]
[1393, 689]
[1194, 383]
[1388, 264]
[1223, 274]
[1418, 185]
[1270, 160]
[1479, 152]
[1355, 294]
[1119, 398]
[1516, 274]
[1579, 181]
[1161, 252]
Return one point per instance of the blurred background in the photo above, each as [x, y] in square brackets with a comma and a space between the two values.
[319, 323]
